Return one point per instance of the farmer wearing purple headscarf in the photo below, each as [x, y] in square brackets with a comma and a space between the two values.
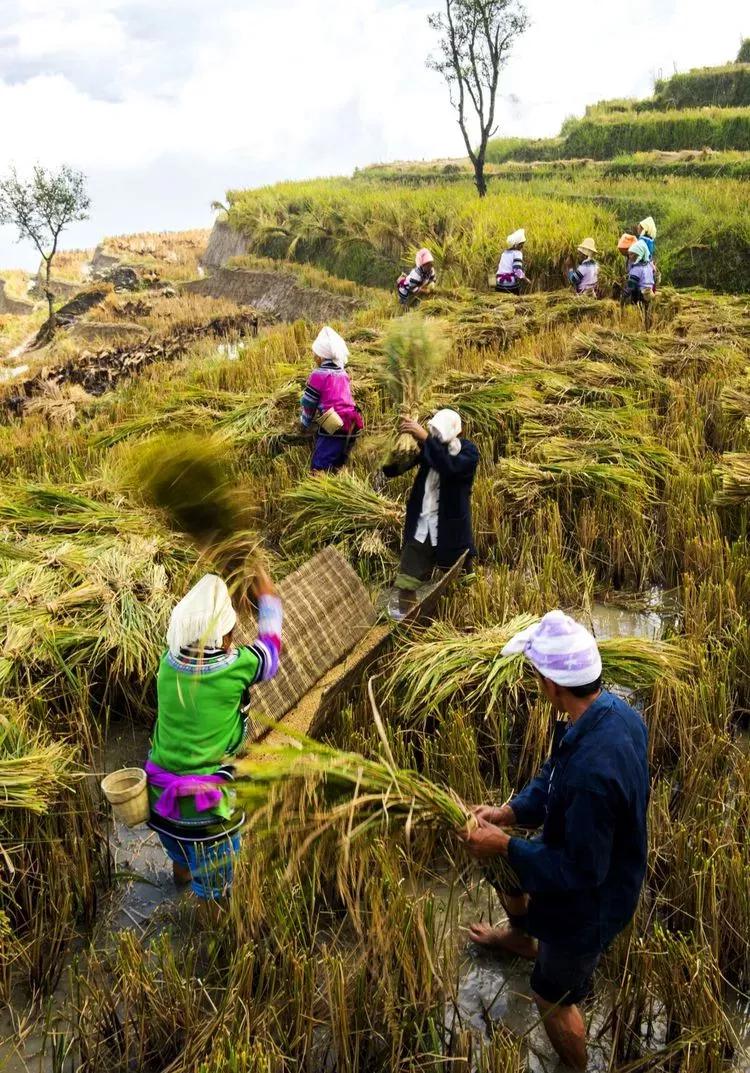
[582, 875]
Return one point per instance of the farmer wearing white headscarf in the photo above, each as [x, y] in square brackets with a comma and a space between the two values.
[438, 527]
[202, 690]
[510, 274]
[327, 404]
[580, 877]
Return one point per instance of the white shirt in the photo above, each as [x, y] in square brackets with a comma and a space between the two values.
[428, 519]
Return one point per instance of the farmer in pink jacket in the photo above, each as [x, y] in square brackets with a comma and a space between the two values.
[328, 405]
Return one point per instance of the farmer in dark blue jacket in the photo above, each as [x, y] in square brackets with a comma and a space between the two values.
[438, 526]
[582, 877]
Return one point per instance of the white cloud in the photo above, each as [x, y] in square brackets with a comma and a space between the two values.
[165, 105]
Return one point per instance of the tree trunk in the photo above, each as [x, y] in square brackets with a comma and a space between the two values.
[50, 298]
[479, 179]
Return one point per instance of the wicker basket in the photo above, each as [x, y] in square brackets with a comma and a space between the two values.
[127, 792]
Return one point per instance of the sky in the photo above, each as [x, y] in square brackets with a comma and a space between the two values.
[166, 105]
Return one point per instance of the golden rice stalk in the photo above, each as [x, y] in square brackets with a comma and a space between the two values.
[33, 767]
[415, 350]
[328, 508]
[734, 471]
[447, 665]
[186, 477]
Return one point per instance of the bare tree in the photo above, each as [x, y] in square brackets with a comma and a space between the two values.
[476, 39]
[41, 208]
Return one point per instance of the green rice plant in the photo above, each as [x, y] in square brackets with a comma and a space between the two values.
[646, 457]
[723, 87]
[48, 509]
[415, 350]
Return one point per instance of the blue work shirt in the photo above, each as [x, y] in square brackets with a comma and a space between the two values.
[584, 874]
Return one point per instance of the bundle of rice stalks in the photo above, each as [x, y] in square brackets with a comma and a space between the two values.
[735, 399]
[646, 457]
[79, 612]
[33, 767]
[468, 668]
[51, 509]
[734, 471]
[414, 349]
[58, 404]
[325, 509]
[524, 482]
[187, 478]
[364, 793]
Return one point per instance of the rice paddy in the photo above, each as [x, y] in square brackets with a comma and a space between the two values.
[613, 465]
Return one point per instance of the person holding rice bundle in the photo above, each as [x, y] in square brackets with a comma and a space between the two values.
[585, 278]
[203, 687]
[581, 878]
[438, 528]
[328, 404]
[420, 281]
[510, 275]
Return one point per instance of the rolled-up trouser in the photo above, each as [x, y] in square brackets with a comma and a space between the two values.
[417, 564]
[211, 865]
[563, 978]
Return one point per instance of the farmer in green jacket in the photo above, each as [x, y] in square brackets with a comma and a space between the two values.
[203, 688]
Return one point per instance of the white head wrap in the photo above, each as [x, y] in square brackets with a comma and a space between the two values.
[648, 226]
[446, 425]
[331, 347]
[515, 238]
[204, 616]
[560, 648]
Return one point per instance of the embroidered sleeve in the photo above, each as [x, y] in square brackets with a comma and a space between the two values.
[267, 645]
[518, 271]
[309, 404]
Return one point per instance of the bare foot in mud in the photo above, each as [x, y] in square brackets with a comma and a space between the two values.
[506, 939]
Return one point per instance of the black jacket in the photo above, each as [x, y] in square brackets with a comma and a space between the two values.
[584, 874]
[457, 472]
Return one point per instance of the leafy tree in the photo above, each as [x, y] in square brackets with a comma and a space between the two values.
[743, 56]
[41, 208]
[475, 42]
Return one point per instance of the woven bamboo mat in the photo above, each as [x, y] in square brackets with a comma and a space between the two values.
[327, 612]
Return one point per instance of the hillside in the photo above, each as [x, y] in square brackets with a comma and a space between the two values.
[703, 108]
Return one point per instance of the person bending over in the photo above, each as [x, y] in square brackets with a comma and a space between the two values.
[581, 877]
[420, 281]
[510, 276]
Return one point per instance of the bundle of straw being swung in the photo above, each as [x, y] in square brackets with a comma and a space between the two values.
[415, 350]
[187, 477]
